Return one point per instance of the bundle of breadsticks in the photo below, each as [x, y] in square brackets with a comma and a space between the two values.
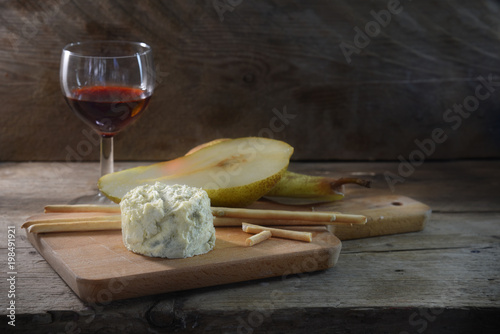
[67, 218]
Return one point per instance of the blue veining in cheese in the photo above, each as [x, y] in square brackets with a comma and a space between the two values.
[173, 221]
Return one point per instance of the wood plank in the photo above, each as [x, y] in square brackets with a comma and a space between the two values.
[35, 277]
[162, 316]
[233, 75]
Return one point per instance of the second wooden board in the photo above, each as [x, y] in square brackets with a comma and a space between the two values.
[387, 214]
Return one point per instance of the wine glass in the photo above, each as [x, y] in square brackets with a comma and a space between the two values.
[107, 84]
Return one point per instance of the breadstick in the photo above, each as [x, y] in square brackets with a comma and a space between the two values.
[259, 237]
[70, 219]
[82, 208]
[75, 226]
[323, 218]
[276, 232]
[295, 217]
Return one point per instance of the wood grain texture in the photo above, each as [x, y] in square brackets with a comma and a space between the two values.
[109, 271]
[443, 279]
[234, 74]
[389, 214]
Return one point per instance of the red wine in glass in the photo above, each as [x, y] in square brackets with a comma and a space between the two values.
[108, 109]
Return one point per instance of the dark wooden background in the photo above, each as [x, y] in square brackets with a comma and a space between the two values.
[229, 74]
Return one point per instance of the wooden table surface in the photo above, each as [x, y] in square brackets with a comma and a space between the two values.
[445, 279]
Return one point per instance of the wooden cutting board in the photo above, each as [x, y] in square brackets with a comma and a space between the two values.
[98, 267]
[388, 214]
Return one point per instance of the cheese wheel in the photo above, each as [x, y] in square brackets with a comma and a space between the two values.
[172, 221]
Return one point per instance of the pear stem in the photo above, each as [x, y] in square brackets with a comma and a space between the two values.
[350, 180]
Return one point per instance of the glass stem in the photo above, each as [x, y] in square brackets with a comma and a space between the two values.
[106, 155]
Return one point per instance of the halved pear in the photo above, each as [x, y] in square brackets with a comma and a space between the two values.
[300, 189]
[234, 172]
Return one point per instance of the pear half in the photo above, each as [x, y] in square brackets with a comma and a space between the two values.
[234, 172]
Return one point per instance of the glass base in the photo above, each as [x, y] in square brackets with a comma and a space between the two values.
[97, 199]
